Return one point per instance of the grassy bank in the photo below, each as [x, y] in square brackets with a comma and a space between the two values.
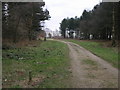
[99, 49]
[47, 62]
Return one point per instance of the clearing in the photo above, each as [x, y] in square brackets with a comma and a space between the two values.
[56, 64]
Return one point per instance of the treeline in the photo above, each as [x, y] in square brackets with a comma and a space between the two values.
[22, 20]
[100, 23]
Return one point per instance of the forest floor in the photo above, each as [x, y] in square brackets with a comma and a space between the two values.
[89, 70]
[47, 61]
[63, 64]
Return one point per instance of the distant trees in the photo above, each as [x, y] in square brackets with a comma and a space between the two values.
[63, 27]
[22, 20]
[69, 24]
[97, 23]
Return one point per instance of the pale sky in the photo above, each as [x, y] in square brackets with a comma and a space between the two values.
[60, 9]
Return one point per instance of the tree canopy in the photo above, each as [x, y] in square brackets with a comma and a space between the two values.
[96, 22]
[22, 20]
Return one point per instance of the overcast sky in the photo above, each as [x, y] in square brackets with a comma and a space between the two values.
[60, 9]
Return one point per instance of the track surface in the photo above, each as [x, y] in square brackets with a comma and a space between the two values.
[89, 70]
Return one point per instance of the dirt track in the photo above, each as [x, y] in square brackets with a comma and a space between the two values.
[90, 71]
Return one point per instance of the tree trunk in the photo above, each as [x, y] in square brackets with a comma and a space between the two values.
[113, 28]
[30, 30]
[15, 36]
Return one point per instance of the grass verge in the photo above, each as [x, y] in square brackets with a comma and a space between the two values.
[48, 63]
[97, 48]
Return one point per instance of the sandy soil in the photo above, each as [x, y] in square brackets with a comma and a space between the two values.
[90, 71]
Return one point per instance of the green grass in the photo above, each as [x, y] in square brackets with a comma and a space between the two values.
[49, 61]
[107, 53]
[93, 65]
[89, 62]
